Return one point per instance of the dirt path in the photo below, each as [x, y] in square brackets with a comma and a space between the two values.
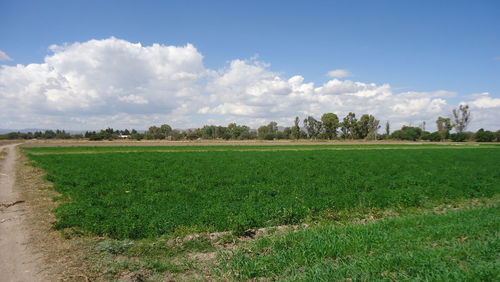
[17, 261]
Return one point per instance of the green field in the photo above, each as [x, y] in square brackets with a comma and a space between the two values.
[456, 246]
[149, 194]
[374, 212]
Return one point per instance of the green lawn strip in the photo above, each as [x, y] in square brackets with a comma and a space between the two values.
[270, 147]
[146, 195]
[455, 246]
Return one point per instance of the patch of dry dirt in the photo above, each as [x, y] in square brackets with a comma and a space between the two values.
[18, 261]
[83, 143]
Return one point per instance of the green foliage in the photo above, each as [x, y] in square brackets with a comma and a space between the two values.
[145, 194]
[367, 127]
[458, 137]
[313, 127]
[161, 132]
[349, 126]
[444, 126]
[408, 133]
[484, 136]
[268, 132]
[330, 123]
[456, 246]
[296, 132]
[434, 136]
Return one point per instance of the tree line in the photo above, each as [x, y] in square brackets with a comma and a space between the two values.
[328, 127]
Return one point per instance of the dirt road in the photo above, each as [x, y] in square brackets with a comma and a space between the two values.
[17, 260]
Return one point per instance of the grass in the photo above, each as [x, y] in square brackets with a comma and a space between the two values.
[149, 194]
[456, 246]
[372, 214]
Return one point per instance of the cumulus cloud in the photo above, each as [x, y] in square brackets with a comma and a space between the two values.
[113, 82]
[339, 73]
[4, 56]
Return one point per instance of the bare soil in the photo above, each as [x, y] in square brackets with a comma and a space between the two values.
[77, 143]
[18, 261]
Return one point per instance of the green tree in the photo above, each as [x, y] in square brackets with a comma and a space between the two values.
[165, 130]
[408, 133]
[268, 132]
[330, 124]
[367, 127]
[349, 126]
[484, 136]
[313, 127]
[295, 134]
[444, 126]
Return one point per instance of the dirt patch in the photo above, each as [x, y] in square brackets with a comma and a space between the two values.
[18, 261]
[86, 143]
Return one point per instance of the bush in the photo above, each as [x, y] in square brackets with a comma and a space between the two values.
[407, 133]
[458, 137]
[434, 136]
[484, 136]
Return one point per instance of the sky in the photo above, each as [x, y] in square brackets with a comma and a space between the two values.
[85, 65]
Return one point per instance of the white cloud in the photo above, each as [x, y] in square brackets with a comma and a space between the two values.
[486, 102]
[133, 99]
[339, 73]
[113, 82]
[4, 57]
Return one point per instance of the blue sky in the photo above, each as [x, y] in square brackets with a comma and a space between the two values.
[418, 46]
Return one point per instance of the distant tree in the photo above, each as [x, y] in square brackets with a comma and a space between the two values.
[349, 126]
[165, 130]
[367, 127]
[434, 136]
[497, 134]
[295, 134]
[330, 124]
[408, 133]
[313, 127]
[387, 129]
[238, 132]
[268, 132]
[285, 134]
[461, 118]
[444, 127]
[49, 134]
[484, 136]
[193, 134]
[458, 137]
[155, 132]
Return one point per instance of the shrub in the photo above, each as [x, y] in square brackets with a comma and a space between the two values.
[407, 133]
[458, 137]
[484, 136]
[434, 136]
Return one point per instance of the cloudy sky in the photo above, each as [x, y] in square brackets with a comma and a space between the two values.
[128, 64]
